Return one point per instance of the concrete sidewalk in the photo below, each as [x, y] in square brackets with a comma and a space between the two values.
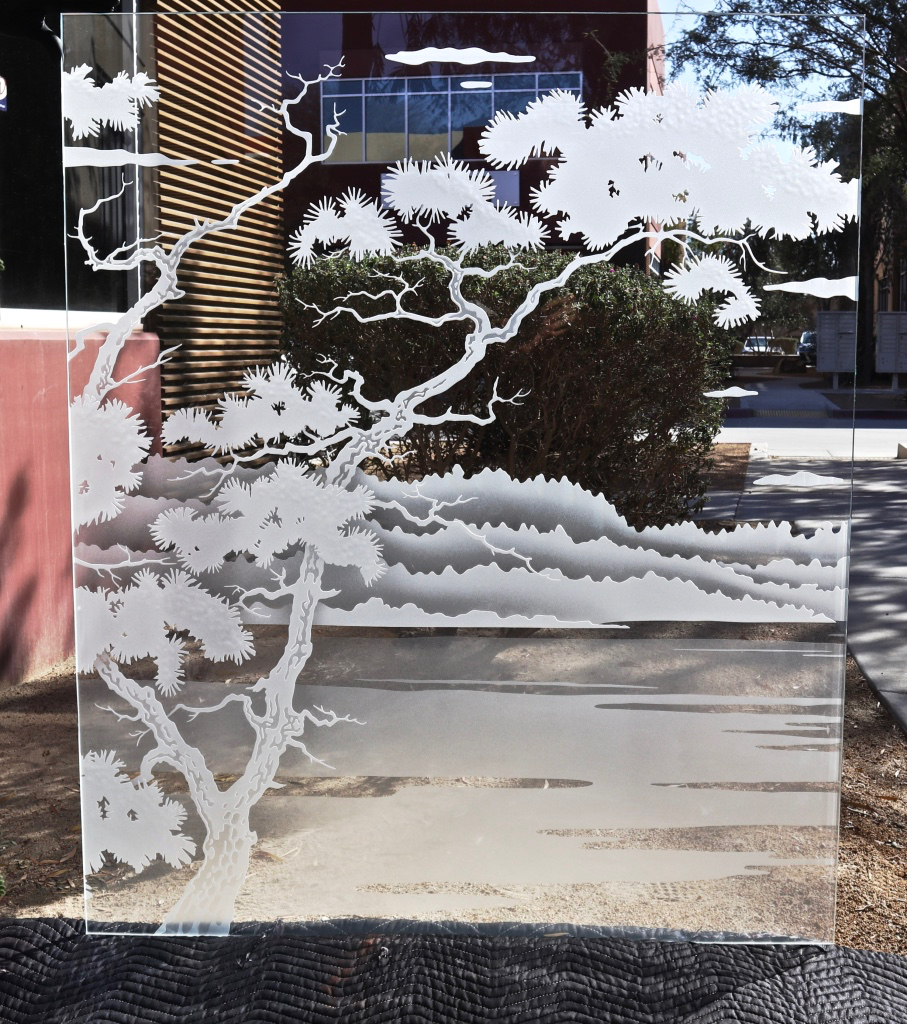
[829, 439]
[877, 614]
[800, 422]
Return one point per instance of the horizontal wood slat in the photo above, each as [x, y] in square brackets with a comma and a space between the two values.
[238, 363]
[271, 262]
[214, 71]
[207, 61]
[186, 201]
[202, 271]
[196, 102]
[246, 173]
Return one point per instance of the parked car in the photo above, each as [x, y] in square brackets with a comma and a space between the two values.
[759, 344]
[806, 349]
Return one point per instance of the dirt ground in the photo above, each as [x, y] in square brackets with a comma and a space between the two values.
[40, 851]
[872, 868]
[728, 469]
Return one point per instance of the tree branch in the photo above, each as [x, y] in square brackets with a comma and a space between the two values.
[397, 314]
[333, 71]
[242, 698]
[169, 744]
[467, 417]
[133, 377]
[332, 374]
[167, 286]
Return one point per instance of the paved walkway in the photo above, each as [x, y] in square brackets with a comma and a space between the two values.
[877, 614]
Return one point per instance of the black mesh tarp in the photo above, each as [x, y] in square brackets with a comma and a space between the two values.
[51, 973]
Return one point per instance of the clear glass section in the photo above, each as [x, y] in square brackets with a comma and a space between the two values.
[383, 85]
[445, 563]
[342, 87]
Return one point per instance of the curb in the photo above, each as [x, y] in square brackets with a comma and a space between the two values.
[897, 711]
[832, 414]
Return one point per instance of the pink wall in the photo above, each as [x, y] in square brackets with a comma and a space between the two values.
[36, 628]
[655, 45]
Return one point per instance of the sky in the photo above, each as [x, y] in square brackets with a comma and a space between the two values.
[678, 15]
[673, 14]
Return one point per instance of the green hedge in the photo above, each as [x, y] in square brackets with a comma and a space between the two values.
[615, 370]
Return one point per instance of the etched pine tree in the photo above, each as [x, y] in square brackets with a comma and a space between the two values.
[652, 168]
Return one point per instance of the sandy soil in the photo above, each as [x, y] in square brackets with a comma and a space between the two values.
[40, 847]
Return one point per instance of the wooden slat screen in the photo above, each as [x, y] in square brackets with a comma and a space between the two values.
[214, 70]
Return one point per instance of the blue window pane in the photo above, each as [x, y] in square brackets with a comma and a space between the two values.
[385, 114]
[515, 102]
[349, 112]
[468, 109]
[428, 84]
[348, 147]
[514, 82]
[385, 127]
[341, 86]
[469, 114]
[428, 115]
[385, 85]
[428, 124]
[565, 80]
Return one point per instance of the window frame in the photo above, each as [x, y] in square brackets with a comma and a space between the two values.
[362, 94]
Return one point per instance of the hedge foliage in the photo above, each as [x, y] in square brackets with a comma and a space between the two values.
[615, 370]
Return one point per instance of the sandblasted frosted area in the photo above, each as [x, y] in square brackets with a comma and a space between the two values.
[310, 691]
[530, 789]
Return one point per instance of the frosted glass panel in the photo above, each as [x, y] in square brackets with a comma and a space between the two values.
[410, 596]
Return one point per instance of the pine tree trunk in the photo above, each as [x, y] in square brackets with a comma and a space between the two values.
[207, 905]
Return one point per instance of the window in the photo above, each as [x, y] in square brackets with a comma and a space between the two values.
[389, 119]
[469, 113]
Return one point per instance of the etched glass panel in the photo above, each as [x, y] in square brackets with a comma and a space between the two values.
[407, 596]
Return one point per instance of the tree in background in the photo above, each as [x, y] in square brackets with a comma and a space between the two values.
[784, 43]
[613, 369]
